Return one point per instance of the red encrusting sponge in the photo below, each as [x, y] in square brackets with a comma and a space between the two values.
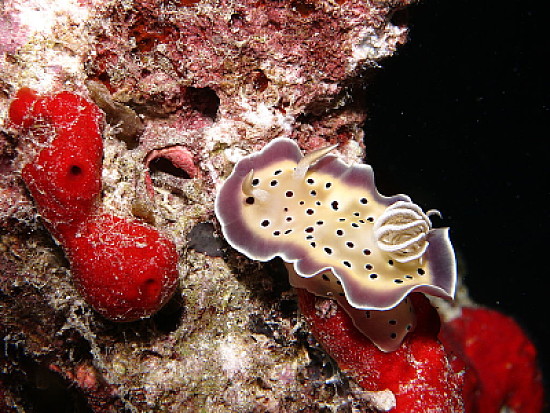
[65, 176]
[130, 260]
[419, 374]
[126, 270]
[483, 363]
[502, 372]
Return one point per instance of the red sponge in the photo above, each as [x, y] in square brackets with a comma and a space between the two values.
[65, 177]
[65, 180]
[502, 372]
[125, 269]
[419, 374]
[21, 109]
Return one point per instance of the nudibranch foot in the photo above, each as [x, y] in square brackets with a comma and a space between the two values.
[385, 328]
[343, 239]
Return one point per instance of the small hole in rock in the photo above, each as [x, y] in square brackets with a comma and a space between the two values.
[161, 164]
[204, 100]
[303, 8]
[169, 317]
[400, 17]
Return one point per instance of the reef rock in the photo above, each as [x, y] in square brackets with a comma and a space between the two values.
[188, 87]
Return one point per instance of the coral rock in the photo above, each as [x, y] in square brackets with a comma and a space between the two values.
[222, 79]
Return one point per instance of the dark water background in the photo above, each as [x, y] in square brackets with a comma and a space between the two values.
[459, 120]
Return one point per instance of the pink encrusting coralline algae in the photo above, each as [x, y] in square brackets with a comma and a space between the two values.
[178, 156]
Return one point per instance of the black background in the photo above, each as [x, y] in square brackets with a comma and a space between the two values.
[458, 120]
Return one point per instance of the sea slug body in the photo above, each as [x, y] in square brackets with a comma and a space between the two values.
[339, 237]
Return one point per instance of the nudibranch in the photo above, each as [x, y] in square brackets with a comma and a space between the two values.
[338, 235]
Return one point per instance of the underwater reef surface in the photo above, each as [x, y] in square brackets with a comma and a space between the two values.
[187, 88]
